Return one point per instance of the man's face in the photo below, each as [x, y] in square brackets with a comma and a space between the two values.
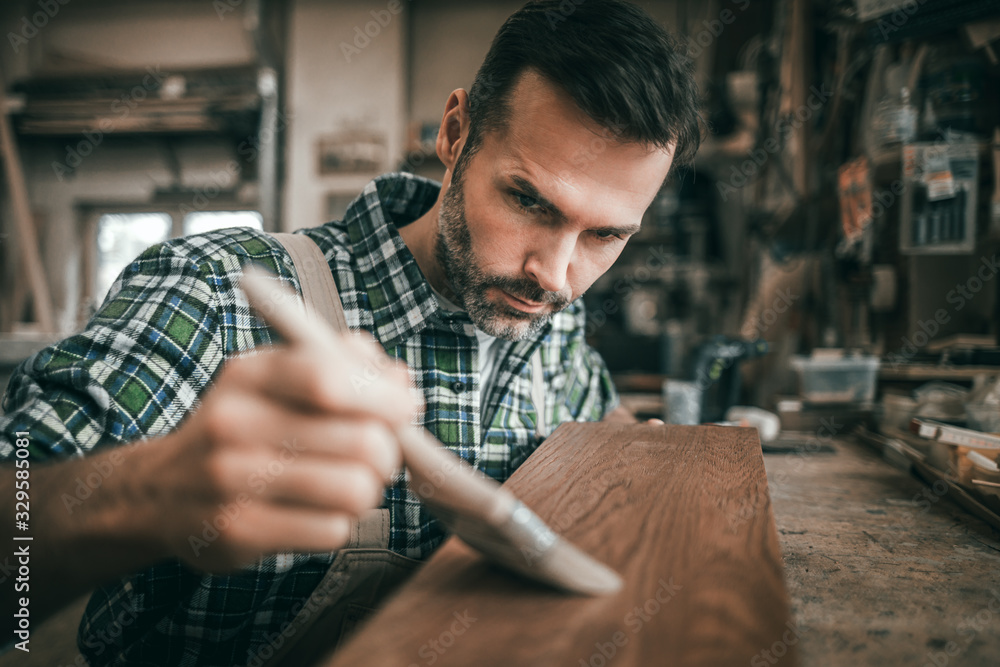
[542, 209]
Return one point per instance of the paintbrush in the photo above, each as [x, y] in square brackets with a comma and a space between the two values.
[473, 506]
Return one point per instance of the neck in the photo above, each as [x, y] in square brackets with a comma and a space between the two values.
[421, 237]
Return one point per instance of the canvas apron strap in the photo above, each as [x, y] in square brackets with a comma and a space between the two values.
[315, 278]
[364, 571]
[320, 291]
[538, 393]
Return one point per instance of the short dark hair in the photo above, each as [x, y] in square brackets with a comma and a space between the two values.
[620, 67]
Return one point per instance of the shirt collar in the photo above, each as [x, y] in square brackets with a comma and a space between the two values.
[399, 295]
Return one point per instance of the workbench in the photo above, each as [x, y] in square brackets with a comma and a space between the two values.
[879, 568]
[882, 568]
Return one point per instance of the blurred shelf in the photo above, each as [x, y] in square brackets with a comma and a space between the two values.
[643, 405]
[935, 372]
[641, 383]
[144, 102]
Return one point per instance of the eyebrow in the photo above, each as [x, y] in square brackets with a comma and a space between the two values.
[530, 190]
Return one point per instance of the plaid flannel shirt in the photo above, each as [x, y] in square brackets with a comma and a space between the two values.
[170, 320]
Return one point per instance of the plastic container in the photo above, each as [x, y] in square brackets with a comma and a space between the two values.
[681, 402]
[837, 380]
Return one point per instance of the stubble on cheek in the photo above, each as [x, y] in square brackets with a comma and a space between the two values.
[471, 286]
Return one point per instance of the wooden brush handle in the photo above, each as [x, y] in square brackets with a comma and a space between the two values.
[441, 479]
[438, 477]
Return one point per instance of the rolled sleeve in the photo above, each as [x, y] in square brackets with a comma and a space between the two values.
[134, 372]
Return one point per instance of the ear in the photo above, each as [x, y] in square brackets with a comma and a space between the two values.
[454, 129]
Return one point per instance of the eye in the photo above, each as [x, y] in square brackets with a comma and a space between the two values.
[527, 202]
[609, 237]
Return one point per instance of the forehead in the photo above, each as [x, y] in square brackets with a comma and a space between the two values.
[569, 157]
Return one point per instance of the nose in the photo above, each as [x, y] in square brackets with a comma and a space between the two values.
[548, 263]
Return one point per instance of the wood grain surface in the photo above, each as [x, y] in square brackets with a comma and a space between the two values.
[682, 512]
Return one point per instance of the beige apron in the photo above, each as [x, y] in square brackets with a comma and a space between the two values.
[364, 572]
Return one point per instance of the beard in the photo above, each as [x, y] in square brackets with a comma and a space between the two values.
[469, 283]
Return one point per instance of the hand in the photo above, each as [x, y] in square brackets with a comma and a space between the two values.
[287, 447]
[622, 415]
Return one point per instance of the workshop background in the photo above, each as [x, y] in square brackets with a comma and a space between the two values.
[826, 270]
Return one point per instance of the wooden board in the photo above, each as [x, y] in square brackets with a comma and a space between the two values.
[682, 512]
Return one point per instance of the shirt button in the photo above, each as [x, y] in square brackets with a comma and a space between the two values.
[458, 386]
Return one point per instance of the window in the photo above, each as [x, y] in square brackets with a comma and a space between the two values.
[209, 221]
[123, 236]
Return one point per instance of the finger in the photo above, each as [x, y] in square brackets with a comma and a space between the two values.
[302, 328]
[295, 321]
[364, 342]
[377, 387]
[282, 309]
[349, 488]
[321, 440]
[274, 528]
[269, 431]
[311, 378]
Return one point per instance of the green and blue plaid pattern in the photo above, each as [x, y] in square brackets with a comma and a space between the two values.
[170, 320]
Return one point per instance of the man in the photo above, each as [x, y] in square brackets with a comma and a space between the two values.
[207, 536]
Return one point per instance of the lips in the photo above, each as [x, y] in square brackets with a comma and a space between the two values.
[521, 304]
